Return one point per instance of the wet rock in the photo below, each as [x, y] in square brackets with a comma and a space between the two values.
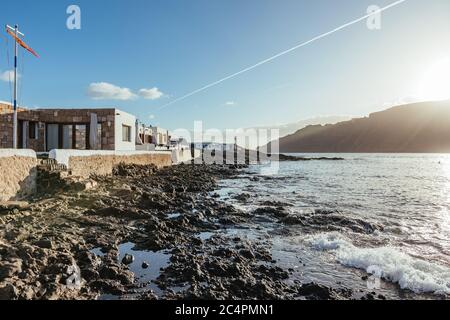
[44, 243]
[243, 197]
[368, 296]
[273, 272]
[90, 274]
[149, 295]
[247, 254]
[27, 293]
[128, 213]
[109, 272]
[8, 292]
[114, 272]
[88, 258]
[128, 259]
[145, 265]
[314, 291]
[269, 203]
[10, 267]
[278, 212]
[325, 211]
[133, 205]
[293, 220]
[330, 220]
[109, 287]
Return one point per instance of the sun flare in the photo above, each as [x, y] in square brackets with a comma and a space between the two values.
[436, 82]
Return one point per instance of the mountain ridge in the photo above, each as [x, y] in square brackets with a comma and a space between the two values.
[422, 127]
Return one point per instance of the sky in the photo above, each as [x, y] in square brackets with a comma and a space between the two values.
[140, 55]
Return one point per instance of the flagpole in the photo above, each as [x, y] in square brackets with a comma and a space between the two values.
[16, 48]
[18, 41]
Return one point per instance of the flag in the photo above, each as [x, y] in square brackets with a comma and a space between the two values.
[22, 44]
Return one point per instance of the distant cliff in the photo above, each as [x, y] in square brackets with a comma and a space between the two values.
[420, 127]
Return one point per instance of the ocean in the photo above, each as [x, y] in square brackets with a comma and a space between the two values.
[375, 223]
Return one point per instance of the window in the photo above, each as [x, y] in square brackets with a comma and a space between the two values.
[67, 137]
[126, 133]
[33, 130]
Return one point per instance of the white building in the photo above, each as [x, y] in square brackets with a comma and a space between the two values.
[160, 136]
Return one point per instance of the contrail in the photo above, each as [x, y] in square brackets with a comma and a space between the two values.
[282, 53]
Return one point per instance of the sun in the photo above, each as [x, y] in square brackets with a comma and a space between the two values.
[436, 82]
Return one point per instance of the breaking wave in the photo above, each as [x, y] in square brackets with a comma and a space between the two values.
[409, 273]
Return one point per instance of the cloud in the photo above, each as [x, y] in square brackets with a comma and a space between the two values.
[108, 91]
[151, 94]
[8, 75]
[230, 103]
[152, 116]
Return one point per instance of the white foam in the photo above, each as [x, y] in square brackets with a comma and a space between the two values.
[410, 273]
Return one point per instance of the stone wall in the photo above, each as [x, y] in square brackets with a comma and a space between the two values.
[104, 165]
[106, 117]
[18, 170]
[6, 124]
[84, 163]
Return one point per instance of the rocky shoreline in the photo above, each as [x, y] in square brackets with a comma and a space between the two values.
[69, 245]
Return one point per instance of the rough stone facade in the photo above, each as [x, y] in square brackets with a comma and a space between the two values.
[85, 166]
[42, 117]
[17, 177]
[6, 125]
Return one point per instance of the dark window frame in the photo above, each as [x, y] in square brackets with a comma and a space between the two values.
[33, 130]
[60, 134]
[126, 138]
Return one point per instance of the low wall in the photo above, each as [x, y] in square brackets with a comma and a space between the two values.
[146, 147]
[85, 163]
[18, 173]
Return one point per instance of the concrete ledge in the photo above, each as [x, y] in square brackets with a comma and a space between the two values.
[85, 163]
[18, 173]
[4, 153]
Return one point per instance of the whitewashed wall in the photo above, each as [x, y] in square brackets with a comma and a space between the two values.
[123, 118]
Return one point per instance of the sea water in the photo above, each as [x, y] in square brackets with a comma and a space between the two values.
[408, 195]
